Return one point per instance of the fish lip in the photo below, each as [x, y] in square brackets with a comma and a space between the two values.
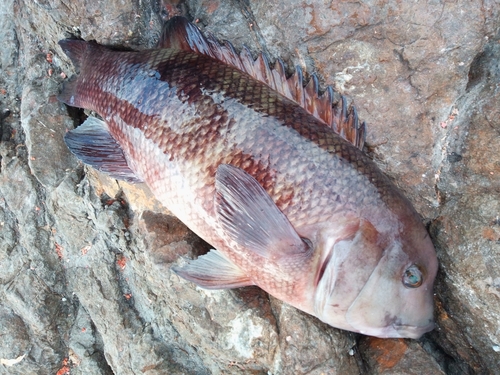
[414, 332]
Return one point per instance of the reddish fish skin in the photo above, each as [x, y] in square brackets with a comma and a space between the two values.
[178, 115]
[110, 74]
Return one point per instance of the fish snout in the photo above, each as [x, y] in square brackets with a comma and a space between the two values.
[397, 300]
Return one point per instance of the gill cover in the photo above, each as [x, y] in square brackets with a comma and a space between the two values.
[351, 261]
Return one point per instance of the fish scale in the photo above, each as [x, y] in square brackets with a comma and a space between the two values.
[177, 145]
[179, 115]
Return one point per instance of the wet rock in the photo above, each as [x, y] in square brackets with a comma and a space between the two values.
[85, 281]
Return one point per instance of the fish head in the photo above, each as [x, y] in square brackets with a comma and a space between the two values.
[375, 285]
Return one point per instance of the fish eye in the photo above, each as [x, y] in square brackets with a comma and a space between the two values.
[412, 277]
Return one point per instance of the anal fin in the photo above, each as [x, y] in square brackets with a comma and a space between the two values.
[213, 271]
[92, 143]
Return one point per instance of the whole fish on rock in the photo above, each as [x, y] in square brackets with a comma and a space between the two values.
[267, 171]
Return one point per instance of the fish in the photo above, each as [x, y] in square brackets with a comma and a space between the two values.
[266, 169]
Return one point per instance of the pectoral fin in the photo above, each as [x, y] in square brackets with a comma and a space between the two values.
[92, 144]
[249, 216]
[213, 271]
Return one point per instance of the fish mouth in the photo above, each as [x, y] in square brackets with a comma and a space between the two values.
[398, 331]
[413, 332]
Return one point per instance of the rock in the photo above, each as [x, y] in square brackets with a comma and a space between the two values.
[16, 341]
[467, 230]
[397, 356]
[85, 280]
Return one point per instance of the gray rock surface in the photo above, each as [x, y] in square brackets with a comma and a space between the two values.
[85, 281]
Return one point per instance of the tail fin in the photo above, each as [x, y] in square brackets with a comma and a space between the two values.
[74, 49]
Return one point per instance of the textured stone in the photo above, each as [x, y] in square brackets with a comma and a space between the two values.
[85, 281]
[397, 356]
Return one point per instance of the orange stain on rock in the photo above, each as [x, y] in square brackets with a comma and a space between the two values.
[59, 250]
[65, 368]
[387, 352]
[212, 6]
[85, 249]
[121, 262]
[491, 234]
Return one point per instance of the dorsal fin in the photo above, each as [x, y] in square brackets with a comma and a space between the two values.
[179, 33]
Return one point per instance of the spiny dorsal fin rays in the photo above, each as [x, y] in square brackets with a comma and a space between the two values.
[326, 109]
[180, 33]
[278, 72]
[296, 84]
[311, 98]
